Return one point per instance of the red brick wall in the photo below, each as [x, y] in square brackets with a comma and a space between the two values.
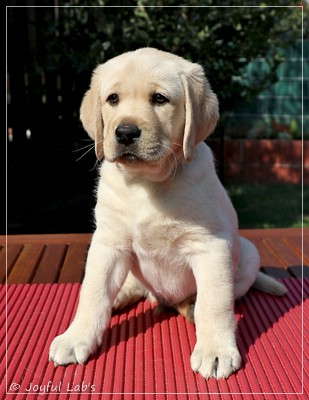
[248, 160]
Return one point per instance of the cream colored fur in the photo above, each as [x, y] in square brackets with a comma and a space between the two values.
[165, 225]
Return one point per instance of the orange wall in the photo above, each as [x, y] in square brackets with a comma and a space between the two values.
[248, 160]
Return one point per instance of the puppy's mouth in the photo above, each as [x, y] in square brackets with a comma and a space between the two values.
[128, 157]
[133, 158]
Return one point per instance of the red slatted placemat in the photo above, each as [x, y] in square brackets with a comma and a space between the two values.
[144, 355]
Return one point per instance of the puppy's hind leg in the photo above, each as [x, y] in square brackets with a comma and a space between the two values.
[186, 308]
[131, 291]
[248, 274]
[248, 268]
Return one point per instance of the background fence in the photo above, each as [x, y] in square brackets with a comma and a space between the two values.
[277, 111]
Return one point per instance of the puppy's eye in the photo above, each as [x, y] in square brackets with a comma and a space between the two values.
[158, 98]
[113, 99]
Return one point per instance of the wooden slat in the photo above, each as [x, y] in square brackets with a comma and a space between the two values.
[276, 272]
[74, 263]
[306, 248]
[268, 258]
[267, 233]
[269, 262]
[8, 256]
[26, 264]
[283, 252]
[299, 272]
[289, 258]
[47, 238]
[50, 265]
[296, 243]
[2, 263]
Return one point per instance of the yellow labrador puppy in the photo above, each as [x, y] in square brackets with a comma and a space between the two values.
[165, 225]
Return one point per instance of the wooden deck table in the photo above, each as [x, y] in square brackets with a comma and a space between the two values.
[61, 258]
[145, 355]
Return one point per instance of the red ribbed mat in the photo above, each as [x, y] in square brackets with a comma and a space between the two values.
[147, 356]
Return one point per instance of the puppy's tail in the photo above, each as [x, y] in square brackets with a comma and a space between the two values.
[269, 285]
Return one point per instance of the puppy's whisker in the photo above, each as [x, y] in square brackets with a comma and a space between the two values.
[83, 155]
[176, 144]
[91, 145]
[89, 148]
[96, 165]
[172, 158]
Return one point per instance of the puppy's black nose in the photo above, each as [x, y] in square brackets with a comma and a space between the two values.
[125, 134]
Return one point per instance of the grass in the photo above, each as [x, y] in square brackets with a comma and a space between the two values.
[270, 205]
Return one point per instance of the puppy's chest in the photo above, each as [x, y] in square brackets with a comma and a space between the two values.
[154, 223]
[160, 247]
[156, 235]
[151, 221]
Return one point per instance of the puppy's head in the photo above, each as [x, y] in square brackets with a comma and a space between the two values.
[147, 109]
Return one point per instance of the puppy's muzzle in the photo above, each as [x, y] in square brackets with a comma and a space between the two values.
[126, 134]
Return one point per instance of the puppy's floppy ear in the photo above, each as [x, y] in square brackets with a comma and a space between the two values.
[90, 114]
[201, 109]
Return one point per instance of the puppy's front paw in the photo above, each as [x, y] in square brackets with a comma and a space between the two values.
[218, 362]
[71, 348]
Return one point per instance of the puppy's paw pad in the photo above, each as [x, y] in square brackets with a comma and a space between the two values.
[218, 364]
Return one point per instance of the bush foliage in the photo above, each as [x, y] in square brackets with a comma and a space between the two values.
[223, 39]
